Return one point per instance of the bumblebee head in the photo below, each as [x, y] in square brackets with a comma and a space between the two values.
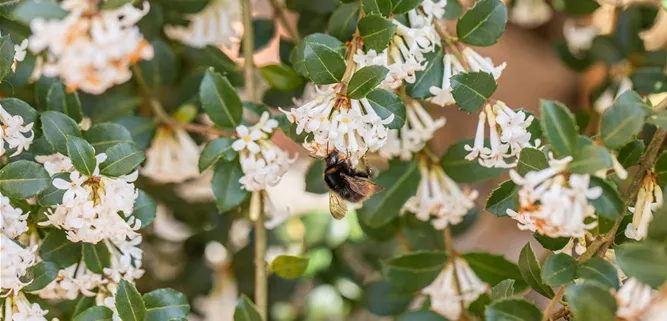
[332, 158]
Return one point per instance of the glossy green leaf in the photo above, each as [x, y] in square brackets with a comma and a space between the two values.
[630, 154]
[483, 24]
[644, 261]
[220, 100]
[95, 313]
[226, 187]
[472, 89]
[531, 160]
[559, 269]
[102, 136]
[551, 244]
[6, 56]
[576, 7]
[281, 77]
[516, 309]
[589, 160]
[657, 231]
[380, 7]
[145, 209]
[219, 148]
[588, 301]
[600, 271]
[141, 129]
[532, 271]
[52, 195]
[58, 249]
[649, 80]
[314, 178]
[82, 155]
[502, 198]
[15, 106]
[111, 106]
[559, 127]
[661, 167]
[56, 127]
[211, 56]
[83, 303]
[504, 289]
[343, 21]
[465, 171]
[39, 276]
[122, 159]
[413, 271]
[376, 32]
[159, 71]
[403, 6]
[609, 204]
[263, 31]
[288, 266]
[494, 269]
[429, 77]
[382, 300]
[246, 310]
[623, 120]
[165, 304]
[129, 303]
[659, 119]
[96, 256]
[23, 179]
[68, 103]
[385, 103]
[365, 80]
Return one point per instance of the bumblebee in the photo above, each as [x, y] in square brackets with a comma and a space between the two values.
[346, 183]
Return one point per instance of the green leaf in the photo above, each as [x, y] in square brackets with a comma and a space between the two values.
[159, 71]
[551, 244]
[411, 272]
[609, 204]
[649, 80]
[645, 261]
[589, 160]
[400, 181]
[493, 269]
[113, 4]
[380, 7]
[576, 7]
[385, 103]
[56, 127]
[531, 160]
[453, 10]
[219, 148]
[128, 303]
[659, 119]
[630, 154]
[102, 136]
[96, 257]
[122, 159]
[6, 56]
[382, 300]
[343, 21]
[141, 129]
[145, 208]
[560, 128]
[220, 100]
[95, 313]
[623, 120]
[502, 198]
[58, 249]
[82, 155]
[187, 6]
[58, 99]
[23, 179]
[288, 266]
[83, 303]
[226, 187]
[516, 309]
[661, 167]
[365, 80]
[532, 272]
[52, 195]
[600, 271]
[40, 276]
[472, 89]
[559, 269]
[165, 304]
[15, 106]
[323, 64]
[422, 315]
[314, 180]
[657, 231]
[246, 310]
[211, 56]
[263, 31]
[588, 301]
[430, 76]
[403, 6]
[376, 32]
[483, 24]
[110, 106]
[281, 77]
[298, 55]
[504, 289]
[465, 171]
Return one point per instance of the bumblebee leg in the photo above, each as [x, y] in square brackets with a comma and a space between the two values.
[369, 171]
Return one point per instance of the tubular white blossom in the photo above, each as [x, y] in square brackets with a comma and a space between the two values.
[71, 282]
[19, 53]
[579, 38]
[173, 157]
[12, 220]
[445, 300]
[553, 203]
[211, 26]
[18, 308]
[418, 129]
[55, 163]
[14, 264]
[649, 199]
[485, 64]
[440, 197]
[13, 133]
[442, 95]
[91, 49]
[530, 13]
[633, 298]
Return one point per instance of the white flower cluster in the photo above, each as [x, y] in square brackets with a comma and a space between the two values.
[91, 49]
[442, 95]
[649, 199]
[553, 202]
[508, 135]
[211, 26]
[445, 298]
[91, 205]
[14, 264]
[419, 128]
[638, 302]
[263, 163]
[19, 53]
[348, 125]
[530, 13]
[18, 308]
[13, 132]
[172, 157]
[12, 220]
[440, 197]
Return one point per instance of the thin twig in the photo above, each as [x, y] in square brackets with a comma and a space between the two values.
[248, 50]
[279, 11]
[449, 42]
[261, 288]
[451, 252]
[559, 295]
[163, 117]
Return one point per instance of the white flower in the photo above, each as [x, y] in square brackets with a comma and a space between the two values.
[579, 38]
[508, 135]
[91, 49]
[655, 38]
[530, 13]
[126, 259]
[649, 199]
[440, 197]
[606, 99]
[418, 129]
[71, 282]
[19, 53]
[553, 204]
[485, 64]
[24, 310]
[211, 26]
[12, 132]
[445, 299]
[610, 256]
[247, 139]
[632, 299]
[12, 220]
[173, 157]
[55, 163]
[434, 9]
[15, 262]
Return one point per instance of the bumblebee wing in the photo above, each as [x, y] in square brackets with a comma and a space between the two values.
[362, 186]
[337, 205]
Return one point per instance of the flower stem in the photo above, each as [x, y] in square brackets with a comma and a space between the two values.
[163, 117]
[248, 49]
[257, 212]
[279, 11]
[450, 42]
[547, 313]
